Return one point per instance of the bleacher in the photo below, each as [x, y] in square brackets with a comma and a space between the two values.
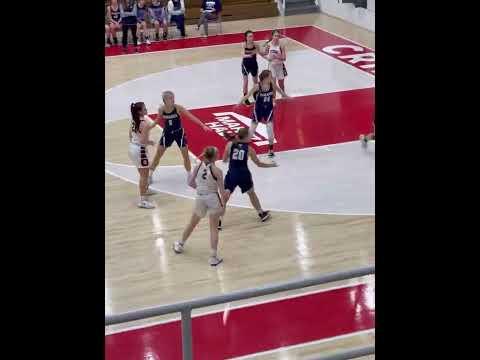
[232, 9]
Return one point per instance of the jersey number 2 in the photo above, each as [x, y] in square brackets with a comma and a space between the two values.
[238, 154]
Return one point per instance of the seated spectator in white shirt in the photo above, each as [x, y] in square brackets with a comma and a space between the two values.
[176, 9]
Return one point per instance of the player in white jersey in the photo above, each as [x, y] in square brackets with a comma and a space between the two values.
[139, 139]
[207, 179]
[276, 56]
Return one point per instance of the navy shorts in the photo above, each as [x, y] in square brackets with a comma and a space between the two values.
[262, 115]
[249, 68]
[169, 137]
[240, 178]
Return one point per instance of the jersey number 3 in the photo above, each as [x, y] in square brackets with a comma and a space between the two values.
[204, 175]
[238, 154]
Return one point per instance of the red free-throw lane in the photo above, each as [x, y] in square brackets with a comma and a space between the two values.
[253, 329]
[300, 122]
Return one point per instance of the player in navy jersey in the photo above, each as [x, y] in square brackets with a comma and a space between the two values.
[237, 153]
[249, 61]
[264, 94]
[158, 13]
[173, 130]
[113, 22]
[142, 12]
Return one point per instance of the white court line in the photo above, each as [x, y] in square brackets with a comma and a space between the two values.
[359, 282]
[249, 207]
[339, 337]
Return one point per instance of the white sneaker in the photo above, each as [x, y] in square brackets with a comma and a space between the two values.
[144, 204]
[214, 260]
[147, 41]
[178, 247]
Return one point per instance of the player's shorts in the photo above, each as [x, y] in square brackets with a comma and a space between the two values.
[169, 137]
[262, 115]
[279, 71]
[249, 68]
[139, 156]
[209, 203]
[240, 178]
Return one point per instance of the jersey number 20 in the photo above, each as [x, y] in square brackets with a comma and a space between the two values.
[238, 154]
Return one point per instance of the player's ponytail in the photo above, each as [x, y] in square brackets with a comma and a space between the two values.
[135, 109]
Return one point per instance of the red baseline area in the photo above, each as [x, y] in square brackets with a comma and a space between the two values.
[253, 329]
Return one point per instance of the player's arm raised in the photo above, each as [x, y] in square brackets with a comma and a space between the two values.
[250, 93]
[256, 160]
[192, 117]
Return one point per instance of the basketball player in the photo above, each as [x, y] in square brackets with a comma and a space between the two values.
[139, 139]
[249, 61]
[173, 130]
[207, 179]
[142, 11]
[113, 19]
[276, 55]
[158, 12]
[237, 153]
[264, 94]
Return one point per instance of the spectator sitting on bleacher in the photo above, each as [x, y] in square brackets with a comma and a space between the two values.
[113, 22]
[210, 10]
[128, 12]
[142, 12]
[158, 13]
[176, 10]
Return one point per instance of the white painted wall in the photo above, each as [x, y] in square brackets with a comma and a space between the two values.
[361, 17]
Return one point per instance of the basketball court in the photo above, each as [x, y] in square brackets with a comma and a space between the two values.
[321, 196]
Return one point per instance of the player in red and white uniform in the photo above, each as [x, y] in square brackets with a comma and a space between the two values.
[207, 179]
[138, 134]
[276, 56]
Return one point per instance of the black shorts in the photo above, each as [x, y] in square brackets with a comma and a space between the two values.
[262, 115]
[169, 137]
[249, 68]
[241, 178]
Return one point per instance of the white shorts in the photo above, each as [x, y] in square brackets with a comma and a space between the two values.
[209, 203]
[279, 71]
[139, 156]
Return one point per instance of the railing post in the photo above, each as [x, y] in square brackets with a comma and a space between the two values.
[187, 334]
